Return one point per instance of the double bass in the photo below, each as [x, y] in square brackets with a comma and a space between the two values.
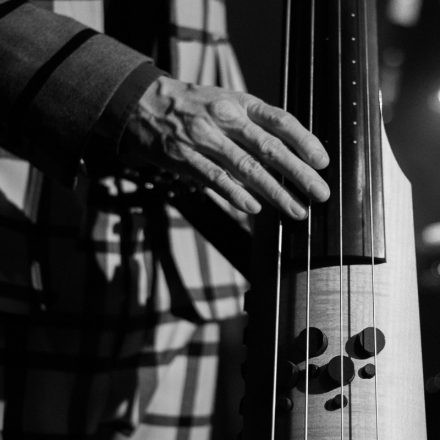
[333, 335]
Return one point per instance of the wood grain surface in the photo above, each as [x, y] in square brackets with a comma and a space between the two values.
[400, 396]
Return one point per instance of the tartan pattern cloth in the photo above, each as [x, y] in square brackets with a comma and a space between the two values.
[99, 338]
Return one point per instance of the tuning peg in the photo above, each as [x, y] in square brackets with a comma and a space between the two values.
[334, 370]
[284, 404]
[365, 341]
[318, 342]
[288, 374]
[313, 370]
[337, 402]
[368, 371]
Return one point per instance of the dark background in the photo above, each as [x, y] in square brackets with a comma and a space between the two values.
[410, 76]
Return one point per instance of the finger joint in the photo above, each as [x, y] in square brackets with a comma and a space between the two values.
[217, 176]
[269, 147]
[224, 110]
[280, 119]
[248, 166]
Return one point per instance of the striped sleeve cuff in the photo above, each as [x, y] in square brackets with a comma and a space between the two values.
[64, 89]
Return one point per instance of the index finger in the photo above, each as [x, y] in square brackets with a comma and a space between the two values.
[289, 130]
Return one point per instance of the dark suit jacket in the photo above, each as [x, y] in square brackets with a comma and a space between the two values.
[65, 93]
[64, 87]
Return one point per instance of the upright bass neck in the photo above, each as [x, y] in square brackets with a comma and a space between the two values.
[346, 286]
[333, 88]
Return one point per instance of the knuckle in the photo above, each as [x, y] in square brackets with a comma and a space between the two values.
[221, 148]
[224, 110]
[299, 174]
[269, 147]
[248, 166]
[247, 130]
[302, 175]
[217, 176]
[278, 194]
[279, 118]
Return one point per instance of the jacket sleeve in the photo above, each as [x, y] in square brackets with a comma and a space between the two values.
[63, 88]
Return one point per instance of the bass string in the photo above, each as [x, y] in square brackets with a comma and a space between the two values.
[341, 250]
[371, 208]
[309, 219]
[285, 92]
[288, 9]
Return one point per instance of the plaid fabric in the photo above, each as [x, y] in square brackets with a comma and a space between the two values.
[109, 298]
[110, 355]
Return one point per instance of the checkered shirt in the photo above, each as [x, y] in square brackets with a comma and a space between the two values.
[109, 298]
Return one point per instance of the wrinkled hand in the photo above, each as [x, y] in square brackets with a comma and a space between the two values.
[226, 139]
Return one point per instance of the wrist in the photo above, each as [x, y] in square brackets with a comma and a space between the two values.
[140, 138]
[159, 96]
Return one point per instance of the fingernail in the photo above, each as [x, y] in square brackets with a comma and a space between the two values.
[298, 212]
[320, 191]
[252, 206]
[320, 160]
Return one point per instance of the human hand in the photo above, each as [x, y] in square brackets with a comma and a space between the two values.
[227, 139]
